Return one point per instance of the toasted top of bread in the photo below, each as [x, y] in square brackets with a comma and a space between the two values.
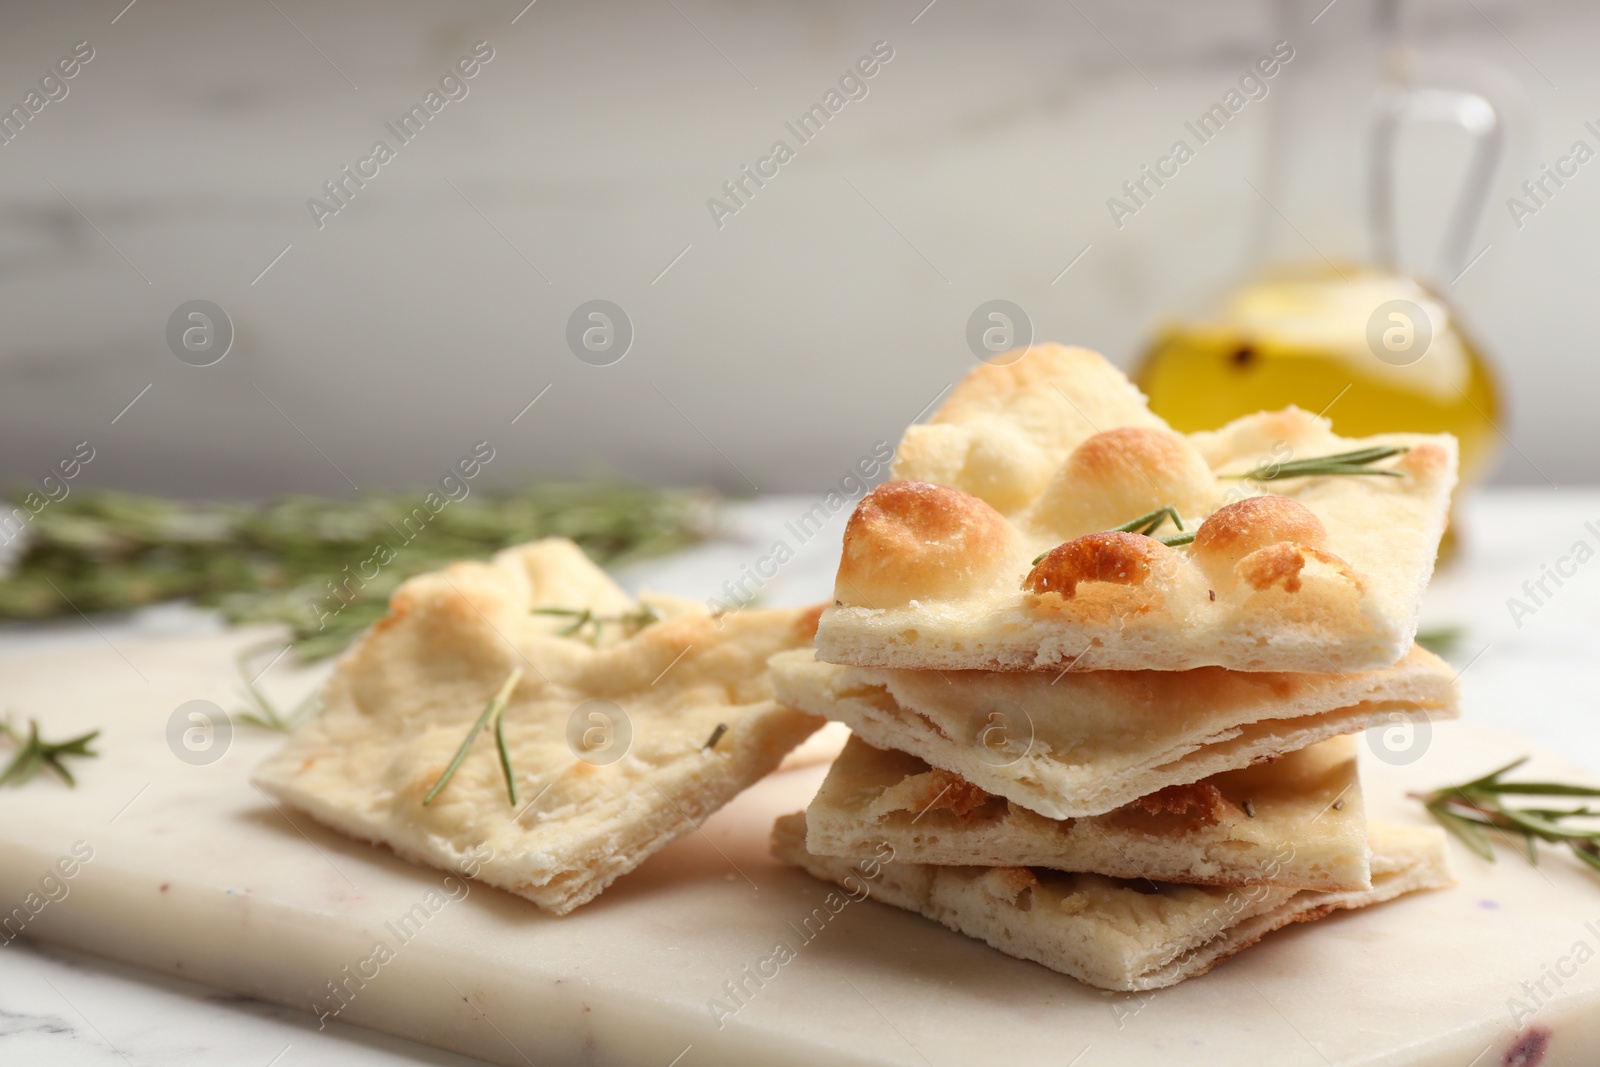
[995, 546]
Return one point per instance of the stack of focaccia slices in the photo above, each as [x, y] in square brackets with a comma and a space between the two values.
[1101, 676]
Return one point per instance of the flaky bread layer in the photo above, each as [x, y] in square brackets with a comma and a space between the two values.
[1113, 934]
[1296, 822]
[1084, 744]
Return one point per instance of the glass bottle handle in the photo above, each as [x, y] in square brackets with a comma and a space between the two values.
[1471, 112]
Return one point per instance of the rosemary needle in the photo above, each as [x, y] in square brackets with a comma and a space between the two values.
[1151, 521]
[1356, 462]
[494, 708]
[505, 754]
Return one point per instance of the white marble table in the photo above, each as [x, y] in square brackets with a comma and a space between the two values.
[1537, 679]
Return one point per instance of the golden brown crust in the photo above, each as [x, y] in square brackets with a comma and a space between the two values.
[1239, 528]
[913, 539]
[1010, 883]
[1269, 530]
[1116, 557]
[1283, 562]
[944, 791]
[1196, 804]
[1268, 566]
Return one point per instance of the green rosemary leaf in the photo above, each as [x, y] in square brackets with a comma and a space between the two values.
[1149, 521]
[1469, 832]
[496, 704]
[1177, 539]
[1544, 829]
[1491, 777]
[1540, 789]
[505, 754]
[1442, 640]
[1356, 462]
[1566, 813]
[34, 754]
[1591, 856]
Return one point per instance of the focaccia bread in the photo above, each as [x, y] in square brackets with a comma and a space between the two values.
[1297, 822]
[996, 548]
[607, 730]
[1082, 744]
[1113, 933]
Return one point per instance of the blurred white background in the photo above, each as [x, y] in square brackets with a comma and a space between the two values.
[771, 352]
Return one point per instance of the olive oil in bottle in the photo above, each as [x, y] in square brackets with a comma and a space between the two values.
[1305, 336]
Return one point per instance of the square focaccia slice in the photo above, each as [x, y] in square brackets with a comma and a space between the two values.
[1078, 744]
[1010, 538]
[626, 725]
[1116, 934]
[1297, 822]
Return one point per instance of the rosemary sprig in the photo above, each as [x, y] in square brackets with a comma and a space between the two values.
[1470, 809]
[631, 622]
[1147, 524]
[35, 754]
[493, 710]
[1357, 462]
[310, 563]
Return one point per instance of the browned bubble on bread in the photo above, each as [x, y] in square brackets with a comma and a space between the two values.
[1119, 558]
[912, 539]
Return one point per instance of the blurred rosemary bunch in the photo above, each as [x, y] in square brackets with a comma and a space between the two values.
[323, 567]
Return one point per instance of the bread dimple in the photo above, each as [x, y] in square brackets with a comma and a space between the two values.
[1247, 526]
[911, 539]
[1120, 474]
[1113, 556]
